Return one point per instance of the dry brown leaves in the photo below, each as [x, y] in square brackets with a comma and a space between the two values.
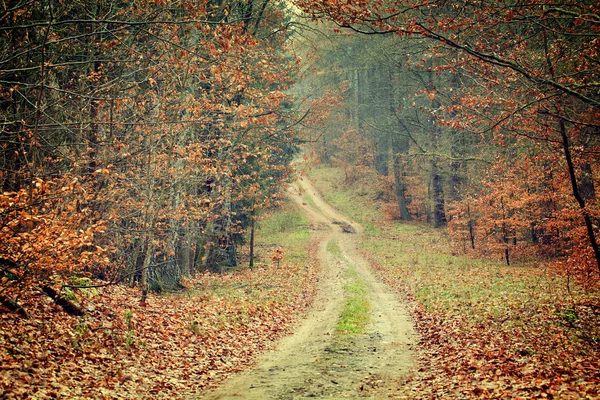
[173, 346]
[500, 347]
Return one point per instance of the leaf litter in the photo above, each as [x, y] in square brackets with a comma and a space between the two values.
[173, 346]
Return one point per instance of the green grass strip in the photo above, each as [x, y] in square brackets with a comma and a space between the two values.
[357, 310]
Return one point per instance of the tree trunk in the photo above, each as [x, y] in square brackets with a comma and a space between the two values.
[361, 87]
[252, 229]
[184, 252]
[146, 265]
[457, 149]
[381, 91]
[68, 306]
[586, 182]
[575, 188]
[573, 178]
[13, 306]
[439, 213]
[400, 145]
[505, 233]
[470, 226]
[428, 216]
[381, 156]
[398, 182]
[534, 235]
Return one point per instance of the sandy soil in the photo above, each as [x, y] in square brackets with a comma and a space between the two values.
[315, 362]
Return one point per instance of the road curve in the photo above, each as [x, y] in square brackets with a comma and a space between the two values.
[315, 361]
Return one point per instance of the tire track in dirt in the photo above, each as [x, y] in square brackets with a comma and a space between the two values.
[317, 362]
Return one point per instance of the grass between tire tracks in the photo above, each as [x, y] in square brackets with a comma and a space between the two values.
[355, 315]
[356, 312]
[486, 330]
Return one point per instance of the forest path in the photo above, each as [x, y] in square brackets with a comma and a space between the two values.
[316, 361]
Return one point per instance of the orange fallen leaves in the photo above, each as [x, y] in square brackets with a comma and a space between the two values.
[175, 346]
[500, 347]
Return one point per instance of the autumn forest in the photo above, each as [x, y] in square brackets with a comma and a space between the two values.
[185, 182]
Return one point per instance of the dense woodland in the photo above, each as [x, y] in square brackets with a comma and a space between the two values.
[479, 116]
[143, 141]
[140, 139]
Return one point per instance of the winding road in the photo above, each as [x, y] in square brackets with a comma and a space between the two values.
[315, 361]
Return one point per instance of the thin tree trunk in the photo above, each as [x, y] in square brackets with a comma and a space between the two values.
[400, 145]
[586, 182]
[260, 16]
[439, 214]
[34, 151]
[573, 178]
[428, 203]
[149, 219]
[132, 270]
[580, 200]
[252, 229]
[505, 233]
[380, 89]
[146, 265]
[360, 102]
[398, 183]
[534, 236]
[470, 225]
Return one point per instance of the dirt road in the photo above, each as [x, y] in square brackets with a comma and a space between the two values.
[317, 362]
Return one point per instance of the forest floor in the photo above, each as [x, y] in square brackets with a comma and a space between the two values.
[485, 330]
[174, 346]
[320, 323]
[323, 357]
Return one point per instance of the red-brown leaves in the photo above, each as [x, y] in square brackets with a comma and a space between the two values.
[174, 346]
[491, 332]
[47, 230]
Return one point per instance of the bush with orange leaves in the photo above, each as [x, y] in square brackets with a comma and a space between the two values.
[46, 230]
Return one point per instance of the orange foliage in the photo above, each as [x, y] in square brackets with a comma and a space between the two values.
[48, 229]
[519, 212]
[180, 137]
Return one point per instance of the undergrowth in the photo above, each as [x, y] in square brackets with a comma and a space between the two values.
[174, 345]
[287, 228]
